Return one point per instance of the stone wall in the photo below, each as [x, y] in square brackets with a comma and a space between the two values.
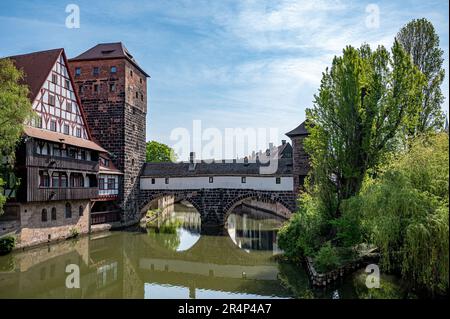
[33, 230]
[300, 161]
[117, 120]
[214, 205]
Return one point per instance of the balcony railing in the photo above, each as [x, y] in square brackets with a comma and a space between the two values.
[55, 162]
[108, 192]
[69, 193]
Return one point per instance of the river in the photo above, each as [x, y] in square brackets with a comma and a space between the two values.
[175, 262]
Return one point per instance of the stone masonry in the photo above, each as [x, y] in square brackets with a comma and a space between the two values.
[214, 205]
[115, 105]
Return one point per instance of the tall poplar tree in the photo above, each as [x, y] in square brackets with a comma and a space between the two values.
[420, 40]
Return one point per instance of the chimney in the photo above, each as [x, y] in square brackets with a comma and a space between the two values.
[191, 157]
[246, 161]
[283, 142]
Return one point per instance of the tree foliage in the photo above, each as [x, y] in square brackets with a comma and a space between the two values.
[365, 101]
[420, 40]
[405, 212]
[15, 110]
[159, 152]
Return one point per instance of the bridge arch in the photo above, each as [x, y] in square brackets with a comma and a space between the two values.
[152, 199]
[270, 203]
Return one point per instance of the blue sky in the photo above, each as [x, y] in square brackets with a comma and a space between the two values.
[227, 63]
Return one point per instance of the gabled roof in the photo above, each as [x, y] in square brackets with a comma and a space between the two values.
[36, 67]
[221, 167]
[298, 131]
[104, 51]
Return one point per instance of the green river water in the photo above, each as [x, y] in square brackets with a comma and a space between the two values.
[236, 263]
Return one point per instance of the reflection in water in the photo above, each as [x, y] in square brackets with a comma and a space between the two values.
[183, 264]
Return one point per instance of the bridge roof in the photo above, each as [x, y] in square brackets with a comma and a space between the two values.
[222, 168]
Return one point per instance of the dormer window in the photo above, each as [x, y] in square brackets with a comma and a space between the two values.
[113, 69]
[77, 71]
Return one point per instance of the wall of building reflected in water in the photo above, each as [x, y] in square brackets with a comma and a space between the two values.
[136, 263]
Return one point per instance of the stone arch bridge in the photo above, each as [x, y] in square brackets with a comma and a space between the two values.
[215, 189]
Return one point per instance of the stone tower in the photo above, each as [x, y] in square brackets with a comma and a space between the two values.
[300, 159]
[113, 91]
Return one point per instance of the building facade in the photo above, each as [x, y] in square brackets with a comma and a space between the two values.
[113, 91]
[57, 161]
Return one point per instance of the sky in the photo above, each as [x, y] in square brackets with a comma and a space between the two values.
[229, 64]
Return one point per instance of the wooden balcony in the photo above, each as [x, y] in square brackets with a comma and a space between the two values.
[62, 163]
[69, 193]
[105, 217]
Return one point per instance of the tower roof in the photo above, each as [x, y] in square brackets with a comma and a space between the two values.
[36, 67]
[104, 51]
[299, 130]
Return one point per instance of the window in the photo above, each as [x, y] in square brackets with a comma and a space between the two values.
[53, 125]
[66, 129]
[38, 122]
[44, 179]
[137, 94]
[80, 210]
[67, 84]
[113, 69]
[131, 72]
[142, 97]
[278, 180]
[153, 181]
[101, 183]
[77, 71]
[243, 180]
[80, 89]
[53, 213]
[112, 87]
[79, 135]
[54, 78]
[95, 88]
[63, 179]
[73, 152]
[95, 70]
[59, 179]
[56, 150]
[44, 215]
[82, 153]
[132, 162]
[76, 180]
[51, 99]
[111, 183]
[211, 179]
[167, 180]
[68, 211]
[140, 80]
[69, 107]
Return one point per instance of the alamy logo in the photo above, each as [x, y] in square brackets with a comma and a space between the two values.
[73, 19]
[373, 278]
[73, 277]
[373, 17]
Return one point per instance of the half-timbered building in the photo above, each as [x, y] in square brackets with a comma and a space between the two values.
[57, 160]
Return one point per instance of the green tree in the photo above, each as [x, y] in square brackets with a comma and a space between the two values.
[159, 152]
[15, 110]
[406, 214]
[365, 101]
[419, 39]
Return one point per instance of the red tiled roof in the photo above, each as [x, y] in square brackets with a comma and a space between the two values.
[36, 67]
[102, 51]
[61, 138]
